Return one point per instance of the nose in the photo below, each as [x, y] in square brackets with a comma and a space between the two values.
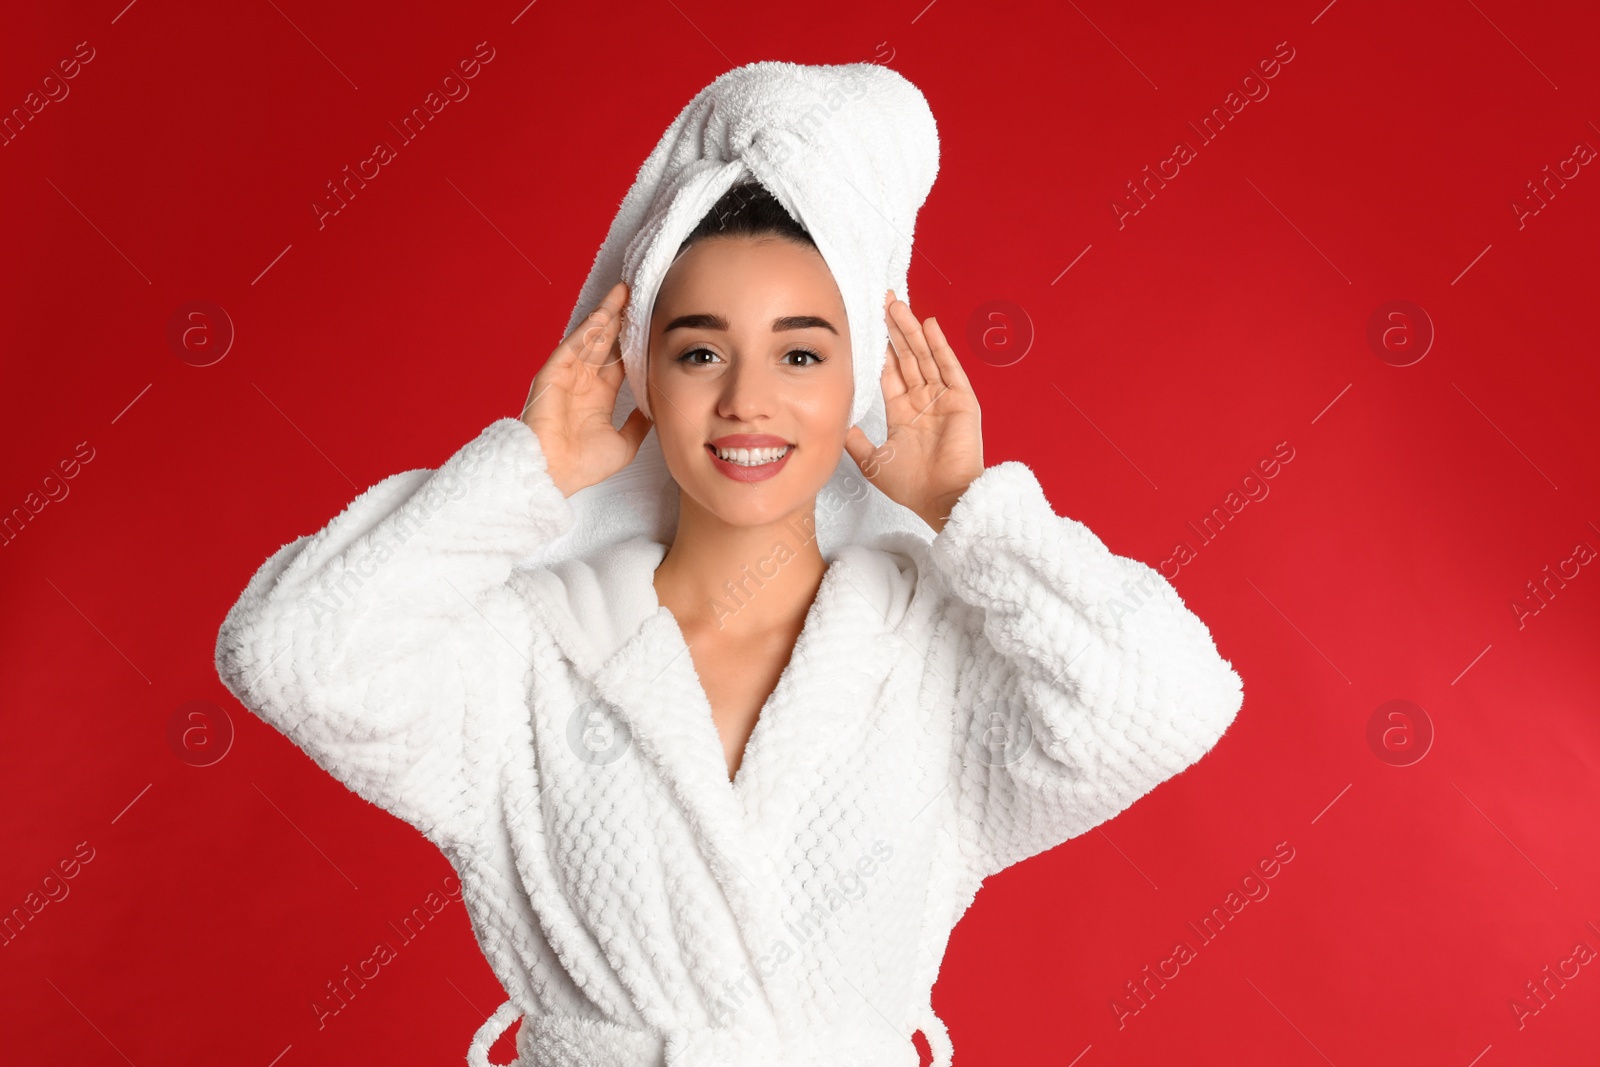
[747, 391]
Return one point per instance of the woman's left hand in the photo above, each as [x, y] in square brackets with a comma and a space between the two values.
[934, 449]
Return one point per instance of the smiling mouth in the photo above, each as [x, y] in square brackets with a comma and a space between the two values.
[750, 457]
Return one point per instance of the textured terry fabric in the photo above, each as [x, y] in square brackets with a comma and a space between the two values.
[850, 150]
[948, 710]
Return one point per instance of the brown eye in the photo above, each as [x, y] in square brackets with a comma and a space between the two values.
[685, 358]
[816, 356]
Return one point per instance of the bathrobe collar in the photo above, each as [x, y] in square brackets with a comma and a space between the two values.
[814, 719]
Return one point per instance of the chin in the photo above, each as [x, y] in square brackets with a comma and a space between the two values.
[772, 507]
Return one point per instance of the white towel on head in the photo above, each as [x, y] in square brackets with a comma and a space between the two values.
[851, 152]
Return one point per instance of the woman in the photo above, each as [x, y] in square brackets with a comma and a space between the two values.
[752, 423]
[721, 799]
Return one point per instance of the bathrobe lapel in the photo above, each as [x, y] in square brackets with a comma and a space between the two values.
[822, 708]
[651, 681]
[817, 715]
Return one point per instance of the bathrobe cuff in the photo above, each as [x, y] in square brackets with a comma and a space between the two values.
[1084, 681]
[373, 642]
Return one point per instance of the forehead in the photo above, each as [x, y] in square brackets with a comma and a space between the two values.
[741, 278]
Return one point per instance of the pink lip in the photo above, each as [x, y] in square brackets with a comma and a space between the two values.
[748, 440]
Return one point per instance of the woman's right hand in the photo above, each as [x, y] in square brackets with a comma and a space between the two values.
[570, 402]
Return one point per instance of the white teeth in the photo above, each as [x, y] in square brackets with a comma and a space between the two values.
[751, 457]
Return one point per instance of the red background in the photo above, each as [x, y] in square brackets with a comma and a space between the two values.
[1228, 315]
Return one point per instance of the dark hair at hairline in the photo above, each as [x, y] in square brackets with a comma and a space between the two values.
[747, 209]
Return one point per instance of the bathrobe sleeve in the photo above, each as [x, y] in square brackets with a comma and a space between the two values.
[1083, 683]
[369, 642]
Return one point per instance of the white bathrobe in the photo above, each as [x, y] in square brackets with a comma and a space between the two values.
[948, 710]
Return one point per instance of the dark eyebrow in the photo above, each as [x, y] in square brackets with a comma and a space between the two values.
[705, 321]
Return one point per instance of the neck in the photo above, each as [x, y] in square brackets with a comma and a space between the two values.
[740, 581]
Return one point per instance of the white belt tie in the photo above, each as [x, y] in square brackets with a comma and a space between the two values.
[569, 1041]
[933, 1029]
[489, 1033]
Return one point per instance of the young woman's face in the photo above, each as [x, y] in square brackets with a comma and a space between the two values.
[748, 337]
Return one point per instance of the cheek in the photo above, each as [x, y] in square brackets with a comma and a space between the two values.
[680, 407]
[826, 411]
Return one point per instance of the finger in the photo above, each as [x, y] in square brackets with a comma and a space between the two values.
[608, 310]
[619, 322]
[601, 342]
[911, 329]
[592, 341]
[611, 366]
[950, 368]
[905, 358]
[862, 450]
[633, 431]
[892, 380]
